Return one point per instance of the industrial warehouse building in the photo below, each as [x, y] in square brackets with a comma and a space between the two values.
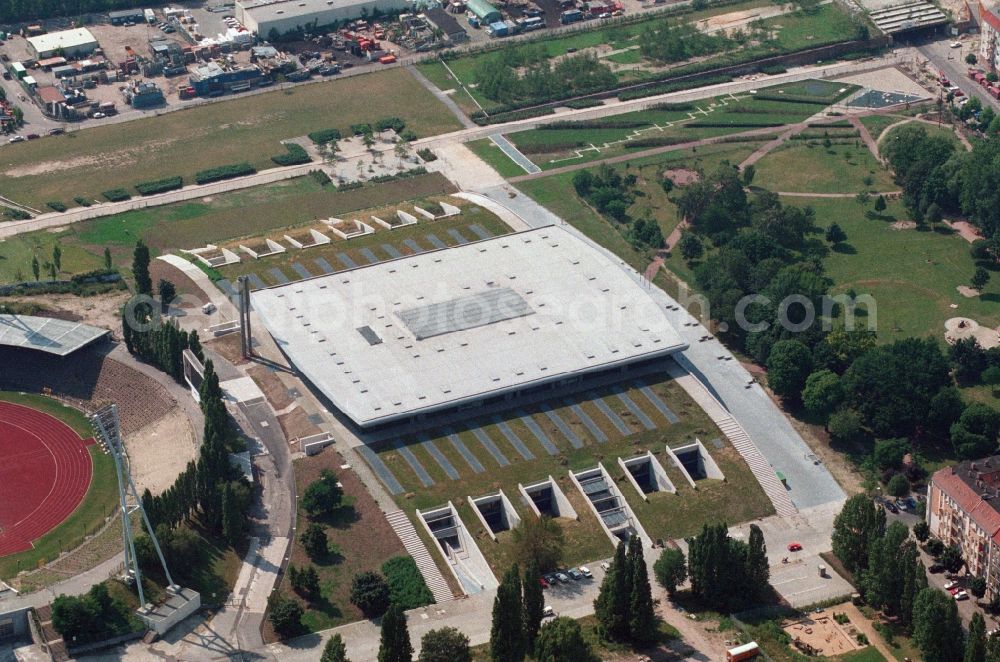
[457, 328]
[262, 16]
[484, 11]
[66, 43]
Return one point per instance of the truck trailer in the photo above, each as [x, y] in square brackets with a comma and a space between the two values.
[744, 652]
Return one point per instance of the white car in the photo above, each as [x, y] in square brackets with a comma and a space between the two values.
[605, 566]
[585, 571]
[548, 612]
[956, 44]
[17, 139]
[99, 116]
[950, 585]
[961, 595]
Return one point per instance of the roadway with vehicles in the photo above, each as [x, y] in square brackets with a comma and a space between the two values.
[951, 63]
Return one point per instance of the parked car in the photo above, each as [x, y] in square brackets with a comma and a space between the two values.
[17, 139]
[544, 582]
[585, 571]
[563, 577]
[98, 116]
[794, 547]
[891, 507]
[33, 136]
[574, 574]
[961, 595]
[605, 566]
[548, 612]
[56, 132]
[956, 44]
[950, 585]
[550, 578]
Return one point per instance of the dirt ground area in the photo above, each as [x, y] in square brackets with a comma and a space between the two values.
[727, 20]
[903, 225]
[159, 452]
[228, 346]
[274, 389]
[965, 230]
[681, 176]
[189, 295]
[820, 634]
[967, 291]
[296, 424]
[959, 328]
[101, 310]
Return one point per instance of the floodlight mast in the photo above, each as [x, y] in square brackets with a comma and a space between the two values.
[108, 428]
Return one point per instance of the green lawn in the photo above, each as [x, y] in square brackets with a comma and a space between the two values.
[488, 151]
[827, 91]
[809, 167]
[876, 124]
[912, 274]
[100, 501]
[91, 161]
[192, 224]
[663, 516]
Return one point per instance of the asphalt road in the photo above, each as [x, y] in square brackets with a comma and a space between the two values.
[951, 62]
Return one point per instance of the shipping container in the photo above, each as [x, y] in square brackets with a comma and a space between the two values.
[387, 59]
[570, 16]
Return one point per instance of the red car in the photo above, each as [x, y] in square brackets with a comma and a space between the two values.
[543, 582]
[794, 547]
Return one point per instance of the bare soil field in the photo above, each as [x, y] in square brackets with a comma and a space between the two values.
[159, 452]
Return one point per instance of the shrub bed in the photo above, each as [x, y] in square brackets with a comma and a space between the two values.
[654, 142]
[160, 185]
[296, 155]
[673, 107]
[82, 201]
[15, 214]
[480, 118]
[676, 86]
[224, 172]
[406, 585]
[361, 129]
[117, 195]
[427, 155]
[324, 136]
[56, 206]
[577, 104]
[794, 98]
[387, 123]
[551, 147]
[734, 125]
[571, 125]
[320, 177]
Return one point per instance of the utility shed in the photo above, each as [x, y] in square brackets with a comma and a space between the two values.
[484, 11]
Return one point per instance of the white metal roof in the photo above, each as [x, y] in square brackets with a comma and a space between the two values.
[46, 334]
[53, 41]
[545, 305]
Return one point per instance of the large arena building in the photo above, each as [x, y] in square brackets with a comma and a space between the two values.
[461, 327]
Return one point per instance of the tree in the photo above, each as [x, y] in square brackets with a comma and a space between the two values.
[748, 174]
[937, 630]
[845, 426]
[975, 645]
[611, 605]
[788, 367]
[835, 234]
[140, 269]
[35, 269]
[971, 59]
[933, 215]
[107, 258]
[690, 246]
[641, 617]
[889, 453]
[976, 431]
[445, 645]
[921, 531]
[951, 559]
[286, 616]
[394, 644]
[980, 278]
[758, 572]
[880, 204]
[57, 257]
[370, 593]
[233, 520]
[898, 486]
[859, 522]
[335, 650]
[315, 542]
[863, 198]
[533, 604]
[977, 586]
[670, 570]
[507, 630]
[991, 377]
[540, 540]
[166, 290]
[561, 640]
[323, 495]
[822, 393]
[993, 647]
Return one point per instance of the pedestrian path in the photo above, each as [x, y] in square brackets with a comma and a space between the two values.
[416, 549]
[540, 435]
[514, 153]
[435, 452]
[414, 463]
[657, 402]
[587, 421]
[463, 450]
[382, 471]
[490, 447]
[514, 440]
[634, 408]
[616, 420]
[566, 430]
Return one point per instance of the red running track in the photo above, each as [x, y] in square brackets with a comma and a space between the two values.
[45, 471]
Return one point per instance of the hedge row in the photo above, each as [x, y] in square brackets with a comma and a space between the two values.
[82, 201]
[320, 177]
[551, 147]
[160, 185]
[324, 136]
[426, 155]
[361, 129]
[654, 142]
[117, 195]
[733, 125]
[610, 123]
[56, 206]
[673, 107]
[664, 88]
[14, 214]
[794, 98]
[577, 104]
[224, 172]
[387, 123]
[406, 174]
[296, 155]
[480, 118]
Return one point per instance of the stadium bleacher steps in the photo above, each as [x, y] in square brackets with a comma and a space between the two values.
[762, 470]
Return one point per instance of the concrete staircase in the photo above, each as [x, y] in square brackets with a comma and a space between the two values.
[418, 551]
[762, 470]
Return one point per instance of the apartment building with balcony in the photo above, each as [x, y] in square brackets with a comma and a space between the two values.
[963, 509]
